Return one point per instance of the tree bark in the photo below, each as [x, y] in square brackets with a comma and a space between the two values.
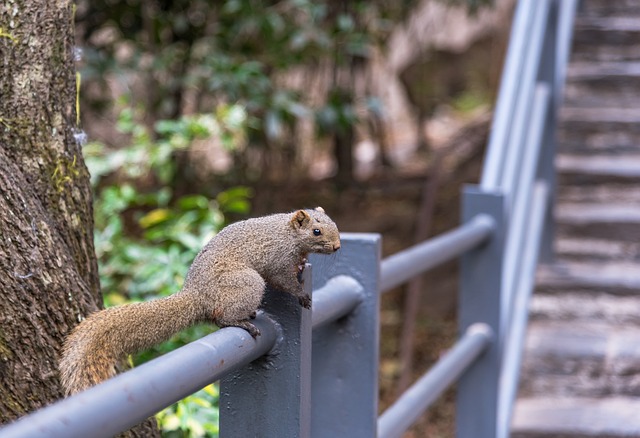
[48, 270]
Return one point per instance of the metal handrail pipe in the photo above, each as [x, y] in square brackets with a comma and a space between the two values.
[523, 107]
[124, 401]
[409, 407]
[507, 96]
[404, 265]
[337, 298]
[511, 362]
[515, 244]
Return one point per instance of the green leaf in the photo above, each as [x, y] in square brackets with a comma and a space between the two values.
[201, 402]
[197, 202]
[155, 217]
[166, 127]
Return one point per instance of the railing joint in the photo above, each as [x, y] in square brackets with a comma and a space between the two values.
[482, 329]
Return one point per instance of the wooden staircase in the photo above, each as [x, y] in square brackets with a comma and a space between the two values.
[581, 370]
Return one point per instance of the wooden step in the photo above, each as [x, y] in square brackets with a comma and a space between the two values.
[575, 170]
[606, 39]
[608, 8]
[612, 221]
[588, 249]
[600, 129]
[615, 278]
[581, 359]
[569, 417]
[585, 307]
[603, 84]
[617, 193]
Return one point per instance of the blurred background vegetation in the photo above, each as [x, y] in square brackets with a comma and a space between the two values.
[200, 113]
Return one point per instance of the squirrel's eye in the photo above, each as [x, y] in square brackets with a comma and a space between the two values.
[317, 232]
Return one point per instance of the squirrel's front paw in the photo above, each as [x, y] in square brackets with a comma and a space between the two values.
[305, 301]
[301, 270]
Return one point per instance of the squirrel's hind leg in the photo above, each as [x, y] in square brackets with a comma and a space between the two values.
[239, 296]
[244, 324]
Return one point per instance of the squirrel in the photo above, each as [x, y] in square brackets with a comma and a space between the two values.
[224, 285]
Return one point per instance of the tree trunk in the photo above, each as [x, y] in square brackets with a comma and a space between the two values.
[48, 270]
[343, 151]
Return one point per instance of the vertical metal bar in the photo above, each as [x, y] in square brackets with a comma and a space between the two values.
[507, 96]
[553, 71]
[565, 17]
[480, 301]
[271, 397]
[546, 168]
[516, 331]
[345, 352]
[522, 199]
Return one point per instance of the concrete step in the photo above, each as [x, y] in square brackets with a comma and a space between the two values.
[602, 128]
[569, 417]
[602, 84]
[606, 39]
[581, 358]
[616, 222]
[615, 278]
[576, 170]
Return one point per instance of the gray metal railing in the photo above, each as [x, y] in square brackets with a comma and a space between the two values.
[519, 164]
[403, 266]
[328, 357]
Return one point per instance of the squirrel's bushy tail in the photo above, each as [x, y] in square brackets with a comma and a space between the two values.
[93, 349]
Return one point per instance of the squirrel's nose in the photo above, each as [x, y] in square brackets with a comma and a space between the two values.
[336, 246]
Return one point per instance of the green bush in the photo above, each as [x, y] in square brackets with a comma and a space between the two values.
[194, 416]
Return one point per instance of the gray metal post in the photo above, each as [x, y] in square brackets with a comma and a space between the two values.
[271, 397]
[480, 301]
[345, 352]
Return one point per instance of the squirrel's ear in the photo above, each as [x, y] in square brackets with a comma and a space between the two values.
[299, 219]
[320, 209]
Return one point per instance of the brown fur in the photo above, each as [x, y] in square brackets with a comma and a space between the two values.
[224, 285]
